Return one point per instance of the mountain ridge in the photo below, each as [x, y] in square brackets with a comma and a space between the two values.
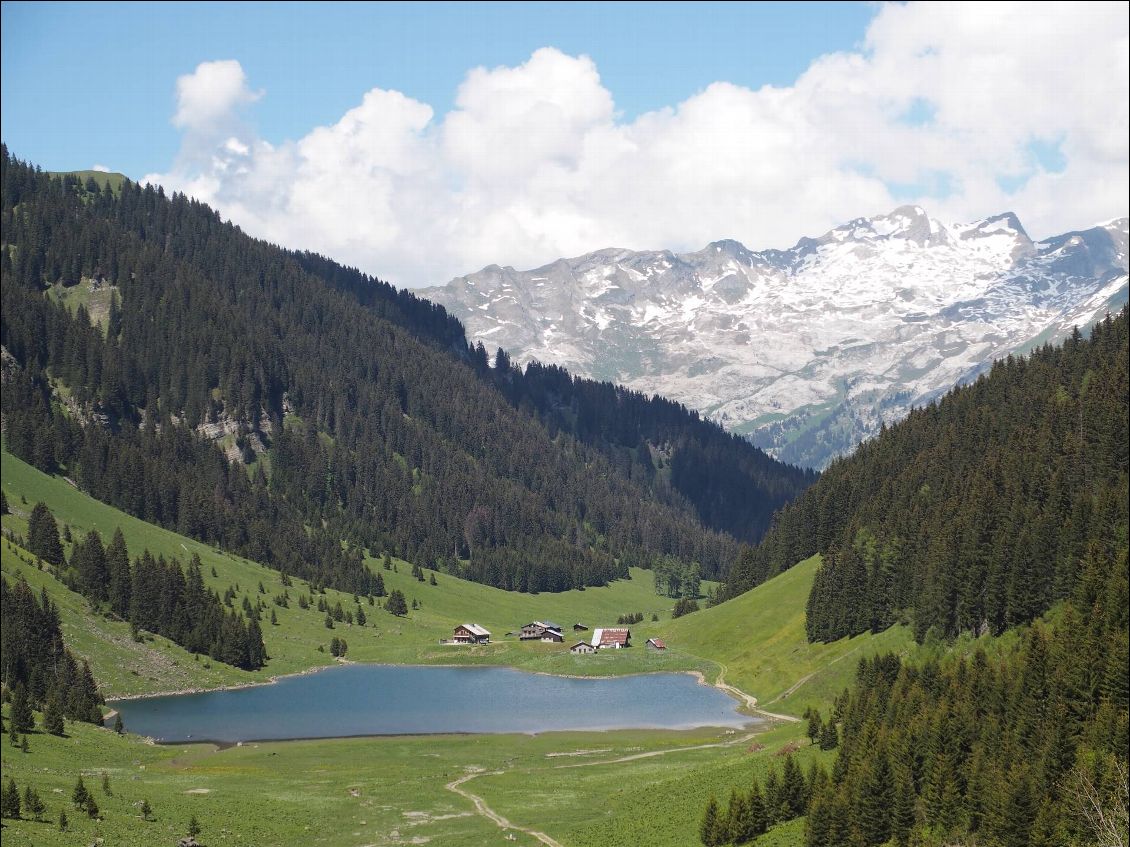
[811, 349]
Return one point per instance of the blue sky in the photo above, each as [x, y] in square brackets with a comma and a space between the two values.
[87, 83]
[424, 141]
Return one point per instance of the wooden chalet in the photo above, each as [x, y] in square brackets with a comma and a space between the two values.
[582, 647]
[580, 627]
[553, 636]
[656, 644]
[537, 630]
[470, 633]
[611, 638]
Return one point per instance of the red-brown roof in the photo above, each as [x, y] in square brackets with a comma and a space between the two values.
[614, 636]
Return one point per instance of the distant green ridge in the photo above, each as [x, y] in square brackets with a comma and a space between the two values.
[113, 178]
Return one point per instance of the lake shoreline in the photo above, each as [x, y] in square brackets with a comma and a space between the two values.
[195, 728]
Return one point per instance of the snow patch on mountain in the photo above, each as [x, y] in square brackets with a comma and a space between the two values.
[811, 349]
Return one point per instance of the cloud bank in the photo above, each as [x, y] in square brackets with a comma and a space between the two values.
[966, 110]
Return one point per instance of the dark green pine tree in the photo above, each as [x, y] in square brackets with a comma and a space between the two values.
[117, 565]
[80, 796]
[829, 736]
[876, 799]
[814, 724]
[33, 803]
[89, 559]
[709, 830]
[396, 604]
[757, 819]
[53, 715]
[10, 800]
[43, 535]
[902, 811]
[21, 717]
[793, 789]
[736, 817]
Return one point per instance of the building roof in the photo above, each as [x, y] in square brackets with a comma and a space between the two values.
[657, 642]
[580, 644]
[543, 625]
[602, 636]
[579, 626]
[475, 629]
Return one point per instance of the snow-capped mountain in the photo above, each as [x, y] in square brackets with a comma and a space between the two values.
[807, 350]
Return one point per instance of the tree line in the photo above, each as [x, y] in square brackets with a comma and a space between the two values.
[1026, 748]
[37, 668]
[151, 594]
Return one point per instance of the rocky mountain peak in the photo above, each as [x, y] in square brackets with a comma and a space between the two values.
[810, 349]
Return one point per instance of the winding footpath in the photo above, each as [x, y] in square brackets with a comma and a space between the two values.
[487, 812]
[749, 700]
[481, 807]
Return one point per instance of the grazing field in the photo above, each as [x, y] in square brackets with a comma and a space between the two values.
[759, 638]
[385, 791]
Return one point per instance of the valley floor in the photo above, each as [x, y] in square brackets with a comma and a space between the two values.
[575, 789]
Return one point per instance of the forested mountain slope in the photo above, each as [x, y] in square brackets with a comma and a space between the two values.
[1001, 508]
[976, 512]
[360, 411]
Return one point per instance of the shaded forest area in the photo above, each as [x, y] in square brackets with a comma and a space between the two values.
[355, 411]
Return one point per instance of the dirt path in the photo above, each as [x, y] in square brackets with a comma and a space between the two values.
[652, 753]
[749, 700]
[487, 812]
[792, 689]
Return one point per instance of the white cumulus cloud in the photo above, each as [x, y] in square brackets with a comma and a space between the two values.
[959, 108]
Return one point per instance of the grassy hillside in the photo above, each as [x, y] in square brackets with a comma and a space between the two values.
[125, 667]
[759, 638]
[101, 178]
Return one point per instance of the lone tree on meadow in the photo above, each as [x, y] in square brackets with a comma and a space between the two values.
[396, 603]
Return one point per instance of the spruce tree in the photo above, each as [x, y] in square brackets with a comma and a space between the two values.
[876, 798]
[43, 535]
[396, 604]
[793, 789]
[53, 715]
[21, 717]
[33, 803]
[63, 824]
[758, 821]
[11, 800]
[709, 829]
[829, 736]
[80, 795]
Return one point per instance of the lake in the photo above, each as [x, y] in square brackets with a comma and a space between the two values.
[356, 700]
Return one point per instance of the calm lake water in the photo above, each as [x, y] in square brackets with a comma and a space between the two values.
[396, 700]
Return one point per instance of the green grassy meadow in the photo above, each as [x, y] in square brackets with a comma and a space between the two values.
[759, 637]
[386, 791]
